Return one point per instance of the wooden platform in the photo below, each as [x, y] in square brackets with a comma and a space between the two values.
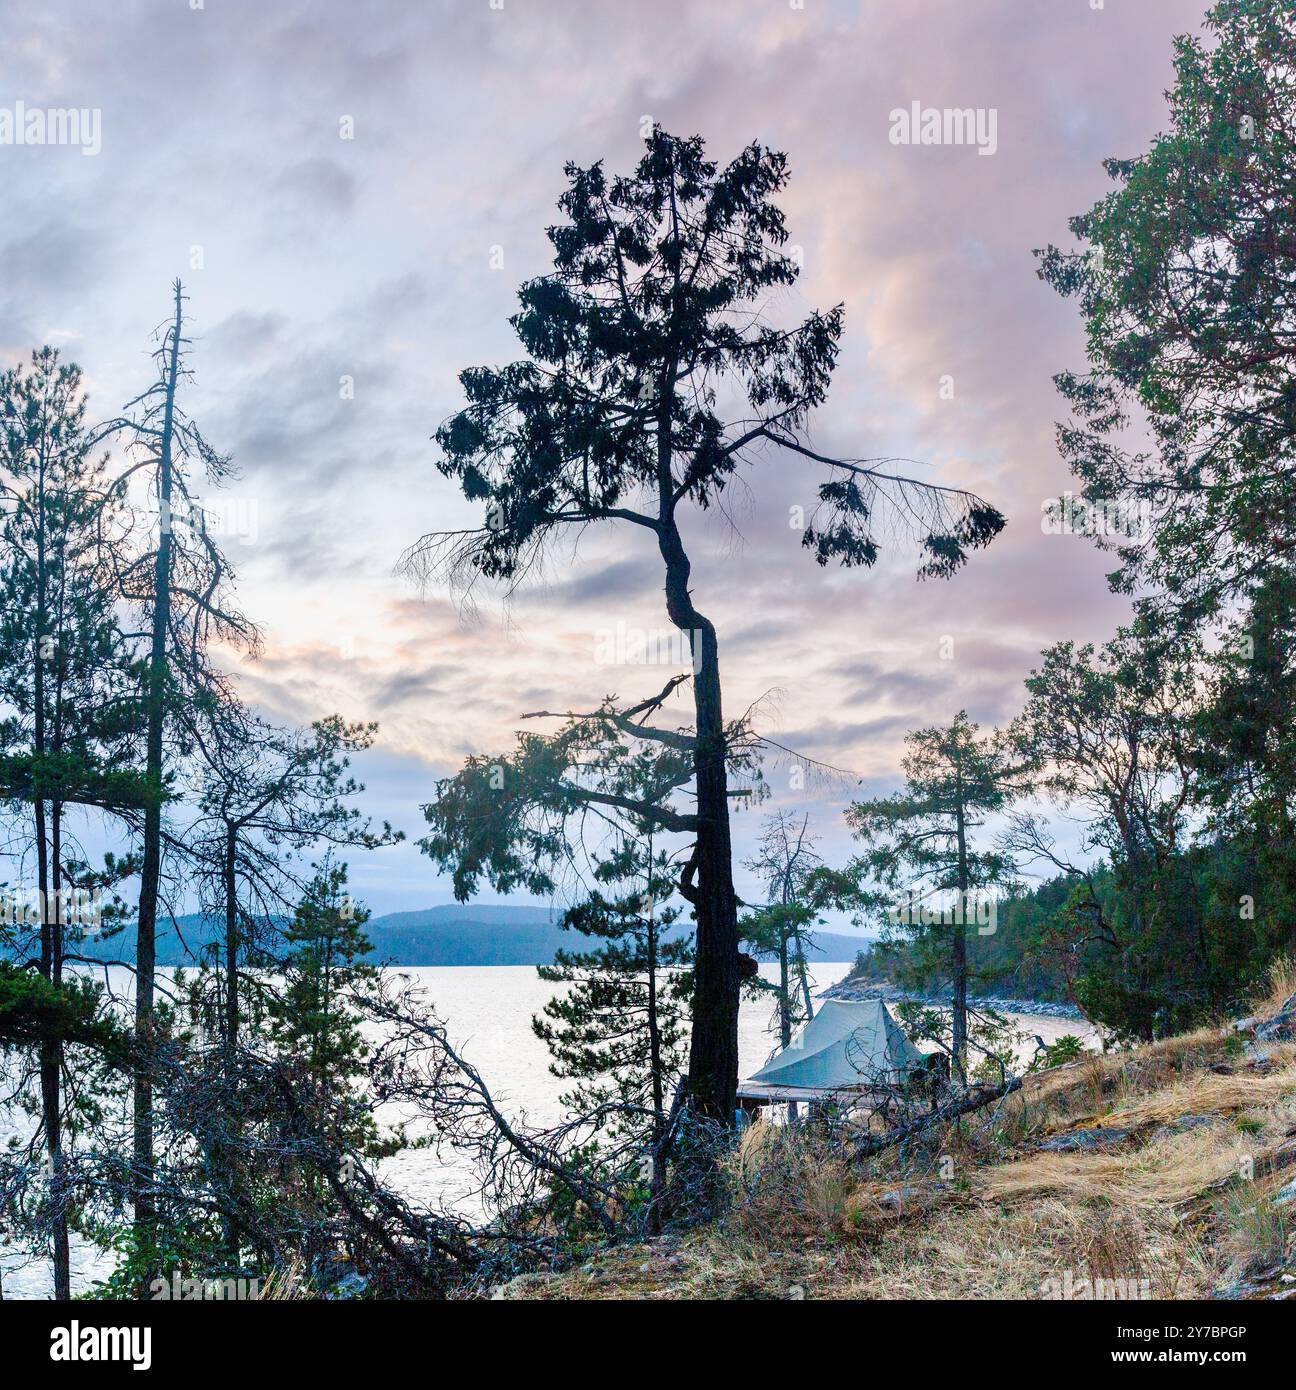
[763, 1093]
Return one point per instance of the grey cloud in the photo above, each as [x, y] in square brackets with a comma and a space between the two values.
[370, 258]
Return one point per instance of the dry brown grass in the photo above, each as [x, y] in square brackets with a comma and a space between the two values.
[1254, 1234]
[990, 1252]
[1282, 985]
[796, 1181]
[1183, 1209]
[962, 1252]
[287, 1283]
[1168, 1172]
[1210, 1093]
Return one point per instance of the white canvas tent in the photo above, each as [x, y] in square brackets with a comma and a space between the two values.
[848, 1045]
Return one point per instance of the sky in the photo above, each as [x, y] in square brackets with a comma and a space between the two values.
[352, 194]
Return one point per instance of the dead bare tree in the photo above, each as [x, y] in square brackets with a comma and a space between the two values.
[179, 582]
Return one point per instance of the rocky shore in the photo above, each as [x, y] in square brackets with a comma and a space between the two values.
[859, 990]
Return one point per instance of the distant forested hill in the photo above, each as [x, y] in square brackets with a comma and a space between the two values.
[500, 934]
[1004, 962]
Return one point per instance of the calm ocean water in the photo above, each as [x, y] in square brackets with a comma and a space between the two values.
[488, 1010]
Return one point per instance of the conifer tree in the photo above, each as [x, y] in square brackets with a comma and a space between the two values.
[653, 314]
[1185, 279]
[64, 683]
[920, 851]
[619, 1030]
[179, 583]
[786, 862]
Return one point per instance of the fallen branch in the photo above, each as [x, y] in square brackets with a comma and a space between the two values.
[865, 1146]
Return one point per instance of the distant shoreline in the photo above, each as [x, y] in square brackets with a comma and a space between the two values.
[448, 935]
[893, 995]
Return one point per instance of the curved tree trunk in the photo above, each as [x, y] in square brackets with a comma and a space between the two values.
[713, 1048]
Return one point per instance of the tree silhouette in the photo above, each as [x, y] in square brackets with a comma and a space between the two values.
[179, 583]
[920, 840]
[1185, 286]
[64, 675]
[785, 862]
[655, 310]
